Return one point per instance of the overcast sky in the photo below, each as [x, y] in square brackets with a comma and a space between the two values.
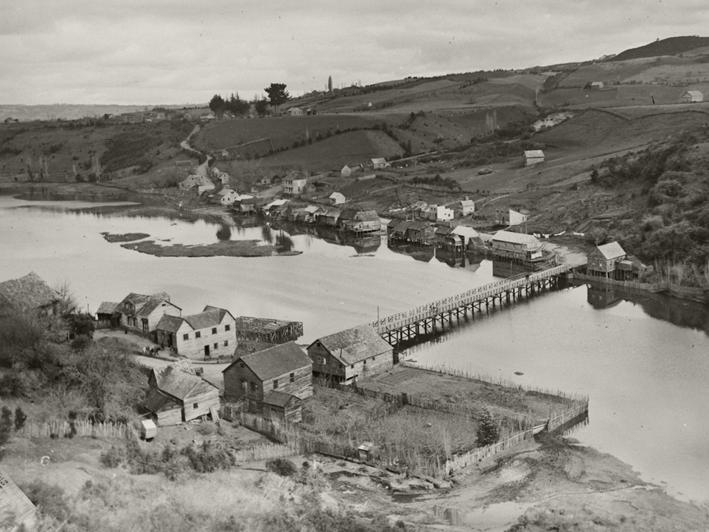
[175, 51]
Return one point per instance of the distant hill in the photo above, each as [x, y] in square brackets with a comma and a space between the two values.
[669, 46]
[26, 113]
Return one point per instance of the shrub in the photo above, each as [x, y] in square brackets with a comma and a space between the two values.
[20, 418]
[207, 457]
[281, 466]
[112, 457]
[48, 498]
[488, 432]
[5, 425]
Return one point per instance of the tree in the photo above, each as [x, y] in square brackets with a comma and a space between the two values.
[488, 432]
[217, 105]
[277, 94]
[261, 106]
[237, 106]
[329, 84]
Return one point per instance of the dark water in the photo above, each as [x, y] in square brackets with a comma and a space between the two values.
[644, 362]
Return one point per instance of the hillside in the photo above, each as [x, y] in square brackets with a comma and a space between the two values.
[669, 46]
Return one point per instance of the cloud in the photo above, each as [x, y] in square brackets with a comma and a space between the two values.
[172, 51]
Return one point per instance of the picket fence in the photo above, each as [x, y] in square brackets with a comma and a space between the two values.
[77, 428]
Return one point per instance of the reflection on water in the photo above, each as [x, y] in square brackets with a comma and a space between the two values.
[646, 377]
[224, 232]
[430, 253]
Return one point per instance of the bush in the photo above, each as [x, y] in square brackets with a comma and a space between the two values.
[488, 432]
[281, 466]
[112, 457]
[20, 418]
[48, 498]
[207, 457]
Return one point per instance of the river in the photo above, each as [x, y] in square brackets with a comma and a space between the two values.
[646, 377]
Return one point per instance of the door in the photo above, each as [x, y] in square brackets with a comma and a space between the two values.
[206, 351]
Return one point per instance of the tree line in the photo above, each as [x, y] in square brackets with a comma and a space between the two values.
[277, 95]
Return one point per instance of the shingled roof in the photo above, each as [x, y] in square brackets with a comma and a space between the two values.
[157, 401]
[209, 317]
[274, 361]
[179, 384]
[354, 345]
[28, 293]
[612, 250]
[279, 399]
[107, 307]
[169, 323]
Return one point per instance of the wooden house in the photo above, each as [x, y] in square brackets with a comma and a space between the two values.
[141, 313]
[176, 396]
[532, 157]
[29, 294]
[516, 246]
[346, 171]
[282, 407]
[359, 221]
[379, 163]
[228, 196]
[328, 217]
[336, 198]
[413, 231]
[606, 260]
[294, 185]
[465, 207]
[347, 355]
[107, 315]
[693, 96]
[284, 368]
[208, 334]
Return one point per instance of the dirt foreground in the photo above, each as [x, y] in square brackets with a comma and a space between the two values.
[552, 484]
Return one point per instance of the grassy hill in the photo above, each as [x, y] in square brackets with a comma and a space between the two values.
[669, 46]
[63, 146]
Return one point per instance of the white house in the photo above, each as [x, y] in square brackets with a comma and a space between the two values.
[597, 85]
[532, 157]
[693, 96]
[465, 207]
[294, 185]
[465, 233]
[337, 198]
[346, 171]
[295, 111]
[210, 333]
[142, 313]
[228, 196]
[379, 162]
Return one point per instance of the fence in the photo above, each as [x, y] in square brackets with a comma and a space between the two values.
[266, 451]
[559, 422]
[69, 429]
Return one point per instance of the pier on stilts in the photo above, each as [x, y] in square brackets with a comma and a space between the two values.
[445, 313]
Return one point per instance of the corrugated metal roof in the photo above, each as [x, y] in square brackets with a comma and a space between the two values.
[612, 250]
[354, 345]
[275, 361]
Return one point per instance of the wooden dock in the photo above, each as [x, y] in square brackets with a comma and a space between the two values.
[429, 318]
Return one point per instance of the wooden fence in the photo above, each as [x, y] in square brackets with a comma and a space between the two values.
[78, 428]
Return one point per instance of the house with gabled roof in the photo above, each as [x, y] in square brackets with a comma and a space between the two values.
[176, 396]
[141, 313]
[107, 315]
[283, 368]
[346, 355]
[608, 260]
[203, 336]
[359, 221]
[532, 157]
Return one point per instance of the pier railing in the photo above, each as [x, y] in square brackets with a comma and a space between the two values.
[480, 293]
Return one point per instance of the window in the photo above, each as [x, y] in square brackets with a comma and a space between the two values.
[351, 366]
[372, 358]
[275, 384]
[214, 330]
[185, 336]
[198, 334]
[216, 345]
[252, 386]
[226, 343]
[195, 405]
[364, 363]
[292, 377]
[227, 327]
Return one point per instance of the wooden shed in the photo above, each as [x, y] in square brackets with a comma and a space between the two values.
[195, 396]
[282, 407]
[603, 261]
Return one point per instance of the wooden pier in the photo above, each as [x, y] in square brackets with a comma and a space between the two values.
[436, 316]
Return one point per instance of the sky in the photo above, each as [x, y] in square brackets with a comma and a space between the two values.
[178, 52]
